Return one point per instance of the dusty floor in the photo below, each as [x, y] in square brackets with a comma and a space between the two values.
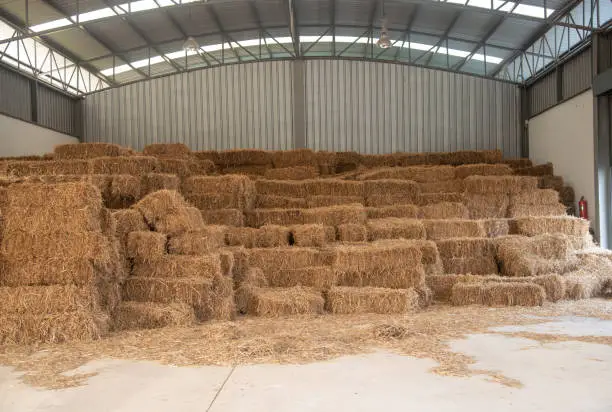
[554, 358]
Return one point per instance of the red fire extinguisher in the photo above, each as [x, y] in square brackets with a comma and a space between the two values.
[583, 208]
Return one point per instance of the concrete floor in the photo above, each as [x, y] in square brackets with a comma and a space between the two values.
[563, 376]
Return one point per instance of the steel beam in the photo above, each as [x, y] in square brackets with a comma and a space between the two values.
[481, 43]
[224, 35]
[255, 12]
[444, 36]
[371, 28]
[408, 30]
[293, 27]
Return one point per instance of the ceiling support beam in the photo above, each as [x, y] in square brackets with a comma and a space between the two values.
[225, 36]
[443, 38]
[481, 43]
[371, 29]
[293, 27]
[262, 31]
[407, 31]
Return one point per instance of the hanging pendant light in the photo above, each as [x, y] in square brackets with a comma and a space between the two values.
[191, 45]
[384, 41]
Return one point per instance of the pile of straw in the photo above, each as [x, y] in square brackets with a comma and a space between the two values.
[123, 191]
[139, 315]
[464, 171]
[276, 302]
[592, 278]
[205, 266]
[313, 235]
[444, 210]
[292, 173]
[445, 229]
[567, 225]
[172, 150]
[395, 228]
[352, 232]
[350, 300]
[399, 211]
[152, 182]
[88, 151]
[128, 220]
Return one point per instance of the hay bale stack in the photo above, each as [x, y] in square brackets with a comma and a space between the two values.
[220, 192]
[350, 300]
[38, 300]
[138, 315]
[167, 211]
[87, 151]
[517, 163]
[515, 211]
[292, 158]
[471, 157]
[123, 165]
[419, 174]
[165, 150]
[282, 188]
[152, 182]
[283, 217]
[179, 167]
[292, 173]
[205, 266]
[468, 255]
[317, 277]
[146, 246]
[250, 171]
[551, 182]
[276, 302]
[441, 286]
[591, 278]
[47, 167]
[128, 220]
[269, 259]
[388, 192]
[201, 167]
[198, 242]
[379, 160]
[444, 186]
[465, 171]
[123, 191]
[444, 210]
[335, 215]
[432, 198]
[265, 236]
[224, 217]
[242, 157]
[487, 206]
[380, 258]
[453, 228]
[538, 170]
[333, 187]
[497, 227]
[567, 196]
[398, 211]
[279, 202]
[535, 197]
[352, 232]
[566, 225]
[500, 184]
[326, 201]
[498, 294]
[312, 235]
[395, 228]
[463, 294]
[209, 155]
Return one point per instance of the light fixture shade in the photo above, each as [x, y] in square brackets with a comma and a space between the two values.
[384, 42]
[191, 44]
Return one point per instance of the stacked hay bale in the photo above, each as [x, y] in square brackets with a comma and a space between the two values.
[177, 159]
[539, 202]
[468, 255]
[250, 162]
[59, 264]
[488, 197]
[177, 273]
[222, 199]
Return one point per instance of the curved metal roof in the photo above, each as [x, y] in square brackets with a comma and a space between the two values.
[104, 43]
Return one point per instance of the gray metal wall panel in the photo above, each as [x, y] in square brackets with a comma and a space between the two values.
[605, 52]
[15, 99]
[237, 106]
[374, 107]
[577, 74]
[56, 111]
[543, 94]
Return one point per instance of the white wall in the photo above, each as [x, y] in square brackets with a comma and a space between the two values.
[19, 138]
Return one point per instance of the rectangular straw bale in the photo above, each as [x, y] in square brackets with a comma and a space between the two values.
[272, 259]
[452, 228]
[351, 300]
[56, 196]
[152, 182]
[406, 188]
[143, 315]
[464, 171]
[175, 150]
[325, 201]
[471, 157]
[441, 286]
[225, 217]
[27, 329]
[195, 292]
[379, 160]
[535, 197]
[519, 210]
[292, 173]
[178, 266]
[291, 158]
[247, 171]
[201, 167]
[399, 211]
[123, 165]
[146, 246]
[294, 189]
[284, 301]
[538, 170]
[444, 186]
[487, 206]
[482, 265]
[567, 195]
[352, 232]
[47, 220]
[531, 257]
[47, 167]
[167, 211]
[410, 159]
[465, 248]
[282, 217]
[76, 270]
[500, 184]
[208, 201]
[567, 225]
[179, 167]
[550, 182]
[391, 199]
[335, 215]
[128, 220]
[279, 202]
[553, 284]
[428, 248]
[463, 294]
[496, 227]
[272, 236]
[47, 299]
[87, 150]
[432, 198]
[241, 236]
[517, 163]
[312, 235]
[219, 184]
[395, 228]
[199, 242]
[376, 258]
[123, 191]
[211, 155]
[444, 210]
[318, 277]
[241, 157]
[333, 187]
[419, 174]
[390, 278]
[514, 294]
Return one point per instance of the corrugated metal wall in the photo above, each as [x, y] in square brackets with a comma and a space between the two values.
[15, 99]
[56, 111]
[349, 105]
[380, 108]
[237, 106]
[543, 94]
[577, 74]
